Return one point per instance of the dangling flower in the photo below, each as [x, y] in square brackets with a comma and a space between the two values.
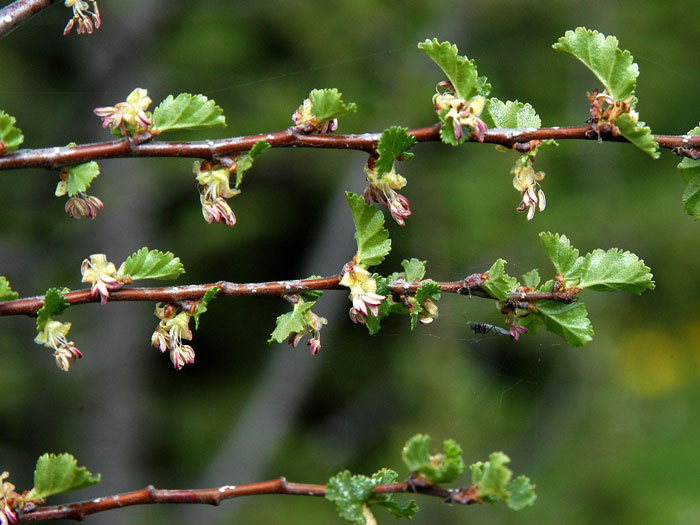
[516, 330]
[214, 188]
[102, 275]
[171, 330]
[525, 180]
[130, 116]
[54, 336]
[305, 120]
[462, 113]
[429, 312]
[8, 498]
[81, 10]
[363, 288]
[83, 206]
[381, 190]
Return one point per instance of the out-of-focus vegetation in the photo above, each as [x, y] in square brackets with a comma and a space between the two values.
[606, 431]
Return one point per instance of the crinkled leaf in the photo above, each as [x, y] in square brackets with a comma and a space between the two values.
[459, 69]
[638, 134]
[690, 168]
[569, 321]
[203, 302]
[327, 104]
[6, 292]
[428, 290]
[53, 304]
[510, 114]
[394, 142]
[614, 68]
[350, 493]
[615, 270]
[565, 257]
[413, 269]
[187, 112]
[373, 243]
[442, 468]
[291, 323]
[522, 493]
[152, 264]
[10, 136]
[499, 284]
[246, 161]
[531, 279]
[405, 510]
[56, 474]
[80, 176]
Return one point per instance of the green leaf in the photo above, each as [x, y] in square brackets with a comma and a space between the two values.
[56, 474]
[569, 321]
[499, 284]
[614, 68]
[531, 279]
[441, 468]
[447, 132]
[493, 480]
[187, 112]
[522, 493]
[413, 270]
[394, 142]
[638, 134]
[350, 493]
[373, 243]
[246, 162]
[291, 323]
[387, 307]
[203, 302]
[406, 510]
[10, 136]
[615, 270]
[6, 292]
[152, 264]
[510, 114]
[53, 304]
[80, 176]
[460, 71]
[428, 290]
[564, 257]
[327, 104]
[690, 168]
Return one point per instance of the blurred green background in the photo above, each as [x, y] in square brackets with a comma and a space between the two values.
[607, 432]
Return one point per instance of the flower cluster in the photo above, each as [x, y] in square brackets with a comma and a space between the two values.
[363, 293]
[214, 188]
[171, 330]
[305, 121]
[314, 323]
[54, 336]
[82, 15]
[525, 180]
[429, 312]
[130, 116]
[382, 190]
[102, 275]
[461, 112]
[83, 206]
[8, 496]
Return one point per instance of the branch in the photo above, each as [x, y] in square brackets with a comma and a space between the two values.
[56, 157]
[470, 286]
[18, 12]
[150, 495]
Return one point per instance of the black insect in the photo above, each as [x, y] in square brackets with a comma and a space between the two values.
[484, 328]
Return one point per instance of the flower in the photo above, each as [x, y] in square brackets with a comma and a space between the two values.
[462, 113]
[314, 323]
[381, 190]
[129, 116]
[516, 330]
[171, 330]
[82, 206]
[102, 274]
[54, 336]
[214, 188]
[81, 10]
[363, 288]
[307, 122]
[525, 180]
[429, 312]
[8, 496]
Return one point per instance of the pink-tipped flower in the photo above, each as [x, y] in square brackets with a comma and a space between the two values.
[363, 288]
[217, 210]
[171, 330]
[314, 323]
[526, 181]
[182, 355]
[130, 116]
[214, 188]
[102, 275]
[8, 499]
[54, 336]
[382, 190]
[315, 344]
[83, 206]
[87, 20]
[462, 113]
[516, 330]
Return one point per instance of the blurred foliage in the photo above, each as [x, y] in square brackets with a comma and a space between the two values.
[606, 431]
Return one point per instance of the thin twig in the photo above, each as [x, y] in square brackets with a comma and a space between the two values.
[215, 496]
[17, 12]
[56, 157]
